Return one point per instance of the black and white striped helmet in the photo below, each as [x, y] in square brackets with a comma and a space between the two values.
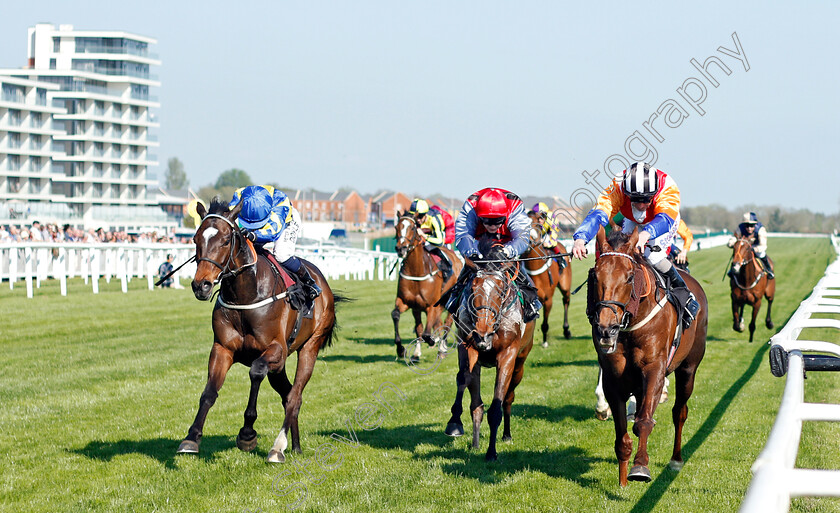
[640, 182]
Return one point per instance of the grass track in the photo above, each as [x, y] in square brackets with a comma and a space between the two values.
[96, 392]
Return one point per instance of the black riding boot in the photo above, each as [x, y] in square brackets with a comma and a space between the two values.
[445, 265]
[309, 286]
[691, 305]
[766, 261]
[529, 297]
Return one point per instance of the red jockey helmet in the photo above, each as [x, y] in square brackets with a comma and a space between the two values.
[492, 204]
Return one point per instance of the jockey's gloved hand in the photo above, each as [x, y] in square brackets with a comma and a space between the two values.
[248, 234]
[473, 255]
[509, 252]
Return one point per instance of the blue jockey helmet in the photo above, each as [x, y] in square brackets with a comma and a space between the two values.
[256, 207]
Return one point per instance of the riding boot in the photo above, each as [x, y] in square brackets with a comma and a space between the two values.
[691, 305]
[561, 260]
[531, 302]
[310, 287]
[766, 261]
[444, 265]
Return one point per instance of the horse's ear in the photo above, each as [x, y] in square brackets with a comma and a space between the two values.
[233, 214]
[601, 240]
[200, 210]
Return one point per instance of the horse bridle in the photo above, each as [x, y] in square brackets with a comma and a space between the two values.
[505, 304]
[746, 261]
[226, 271]
[625, 317]
[412, 241]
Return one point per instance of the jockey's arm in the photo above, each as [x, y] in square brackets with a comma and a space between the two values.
[519, 225]
[434, 229]
[465, 226]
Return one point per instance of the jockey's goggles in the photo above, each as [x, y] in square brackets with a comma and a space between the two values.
[640, 198]
[493, 221]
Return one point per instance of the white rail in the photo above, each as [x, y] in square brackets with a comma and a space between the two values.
[775, 479]
[34, 262]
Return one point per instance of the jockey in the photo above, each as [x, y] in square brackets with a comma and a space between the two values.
[551, 230]
[497, 214]
[755, 232]
[432, 228]
[649, 199]
[267, 215]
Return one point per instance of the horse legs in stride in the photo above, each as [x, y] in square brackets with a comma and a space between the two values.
[305, 365]
[623, 442]
[544, 326]
[505, 362]
[464, 379]
[398, 310]
[279, 381]
[602, 409]
[220, 361]
[651, 391]
[756, 307]
[684, 388]
[768, 322]
[272, 358]
[518, 372]
[737, 316]
[567, 296]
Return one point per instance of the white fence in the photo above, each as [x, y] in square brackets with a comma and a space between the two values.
[775, 480]
[37, 261]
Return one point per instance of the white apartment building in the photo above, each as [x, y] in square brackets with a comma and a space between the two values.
[74, 131]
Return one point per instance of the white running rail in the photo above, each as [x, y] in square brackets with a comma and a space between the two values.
[33, 262]
[775, 479]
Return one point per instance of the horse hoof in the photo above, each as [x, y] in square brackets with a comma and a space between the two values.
[275, 457]
[454, 429]
[188, 447]
[246, 445]
[639, 473]
[738, 328]
[400, 351]
[675, 465]
[429, 340]
[567, 333]
[545, 344]
[491, 457]
[663, 398]
[507, 438]
[770, 325]
[603, 415]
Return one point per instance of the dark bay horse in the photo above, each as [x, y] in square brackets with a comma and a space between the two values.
[547, 276]
[491, 333]
[253, 325]
[749, 284]
[420, 284]
[635, 349]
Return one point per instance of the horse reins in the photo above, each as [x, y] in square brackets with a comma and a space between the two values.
[744, 262]
[226, 271]
[413, 246]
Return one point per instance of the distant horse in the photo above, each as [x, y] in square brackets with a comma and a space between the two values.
[420, 284]
[492, 333]
[749, 284]
[636, 357]
[547, 276]
[253, 325]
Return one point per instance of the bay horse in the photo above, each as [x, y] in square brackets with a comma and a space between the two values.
[254, 326]
[547, 276]
[636, 358]
[749, 284]
[491, 333]
[420, 284]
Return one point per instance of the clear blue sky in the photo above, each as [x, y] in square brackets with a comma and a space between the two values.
[451, 97]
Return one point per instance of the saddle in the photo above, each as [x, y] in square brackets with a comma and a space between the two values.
[295, 294]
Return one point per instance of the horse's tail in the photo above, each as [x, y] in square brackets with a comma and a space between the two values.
[334, 328]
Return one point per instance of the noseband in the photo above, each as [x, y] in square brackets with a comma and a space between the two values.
[506, 302]
[412, 242]
[625, 317]
[226, 270]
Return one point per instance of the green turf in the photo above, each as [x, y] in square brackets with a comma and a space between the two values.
[96, 392]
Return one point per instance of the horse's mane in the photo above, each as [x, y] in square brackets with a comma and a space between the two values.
[218, 206]
[617, 238]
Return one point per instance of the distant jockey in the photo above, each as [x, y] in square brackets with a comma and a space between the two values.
[498, 215]
[755, 232]
[267, 215]
[432, 227]
[550, 230]
[650, 200]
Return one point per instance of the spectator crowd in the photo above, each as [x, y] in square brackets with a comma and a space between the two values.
[50, 232]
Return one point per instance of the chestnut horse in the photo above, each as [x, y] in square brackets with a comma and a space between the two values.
[547, 276]
[253, 325]
[420, 285]
[749, 284]
[635, 349]
[492, 333]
